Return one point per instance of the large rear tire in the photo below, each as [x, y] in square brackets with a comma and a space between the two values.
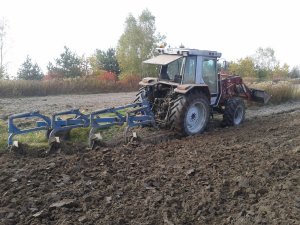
[234, 113]
[190, 114]
[142, 94]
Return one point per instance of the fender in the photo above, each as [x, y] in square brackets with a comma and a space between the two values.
[187, 88]
[148, 81]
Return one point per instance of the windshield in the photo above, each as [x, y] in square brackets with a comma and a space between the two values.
[182, 70]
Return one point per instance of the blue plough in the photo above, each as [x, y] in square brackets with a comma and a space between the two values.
[137, 114]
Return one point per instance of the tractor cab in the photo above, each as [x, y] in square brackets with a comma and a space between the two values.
[187, 66]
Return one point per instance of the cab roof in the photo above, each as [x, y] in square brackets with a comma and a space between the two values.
[188, 51]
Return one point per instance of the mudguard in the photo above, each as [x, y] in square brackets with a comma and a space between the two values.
[186, 88]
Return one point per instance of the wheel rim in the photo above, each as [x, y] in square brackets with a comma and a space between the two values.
[238, 115]
[195, 118]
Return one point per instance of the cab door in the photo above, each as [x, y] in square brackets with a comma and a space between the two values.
[209, 75]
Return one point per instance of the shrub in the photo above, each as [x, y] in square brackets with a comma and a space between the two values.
[24, 88]
[53, 75]
[108, 76]
[130, 81]
[280, 92]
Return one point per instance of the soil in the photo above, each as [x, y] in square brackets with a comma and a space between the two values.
[52, 104]
[239, 175]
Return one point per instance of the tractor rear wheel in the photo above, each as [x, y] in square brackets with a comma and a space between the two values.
[190, 114]
[234, 113]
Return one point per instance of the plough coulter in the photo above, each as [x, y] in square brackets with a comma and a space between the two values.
[188, 91]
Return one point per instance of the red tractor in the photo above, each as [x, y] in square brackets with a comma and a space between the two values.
[190, 89]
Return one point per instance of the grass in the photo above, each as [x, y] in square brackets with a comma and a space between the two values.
[3, 135]
[280, 92]
[35, 139]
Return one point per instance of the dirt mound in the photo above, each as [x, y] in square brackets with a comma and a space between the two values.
[244, 175]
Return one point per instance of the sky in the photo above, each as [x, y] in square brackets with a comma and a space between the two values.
[41, 28]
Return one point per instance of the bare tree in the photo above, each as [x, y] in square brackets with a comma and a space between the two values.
[3, 26]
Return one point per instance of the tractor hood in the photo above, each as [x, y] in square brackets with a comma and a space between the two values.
[163, 59]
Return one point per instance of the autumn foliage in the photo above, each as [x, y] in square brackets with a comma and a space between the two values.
[108, 76]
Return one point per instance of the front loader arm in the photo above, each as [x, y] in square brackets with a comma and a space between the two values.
[233, 86]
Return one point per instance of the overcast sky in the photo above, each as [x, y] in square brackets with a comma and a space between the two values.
[40, 28]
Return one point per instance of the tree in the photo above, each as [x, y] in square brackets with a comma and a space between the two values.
[30, 71]
[265, 58]
[244, 67]
[86, 65]
[265, 62]
[69, 65]
[281, 72]
[2, 72]
[3, 27]
[137, 42]
[263, 65]
[102, 60]
[295, 72]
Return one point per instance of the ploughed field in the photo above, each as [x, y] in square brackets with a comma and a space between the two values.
[239, 175]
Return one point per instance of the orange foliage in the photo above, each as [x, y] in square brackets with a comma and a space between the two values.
[108, 76]
[130, 80]
[52, 75]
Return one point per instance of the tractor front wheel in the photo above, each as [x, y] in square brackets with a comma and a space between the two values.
[234, 113]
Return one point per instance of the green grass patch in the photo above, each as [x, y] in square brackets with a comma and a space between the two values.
[34, 139]
[112, 132]
[3, 135]
[37, 138]
[82, 134]
[79, 135]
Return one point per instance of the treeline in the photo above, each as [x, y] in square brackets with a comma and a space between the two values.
[263, 65]
[135, 45]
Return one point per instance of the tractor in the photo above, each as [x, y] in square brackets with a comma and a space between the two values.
[187, 92]
[190, 89]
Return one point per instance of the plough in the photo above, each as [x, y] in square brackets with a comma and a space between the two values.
[136, 114]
